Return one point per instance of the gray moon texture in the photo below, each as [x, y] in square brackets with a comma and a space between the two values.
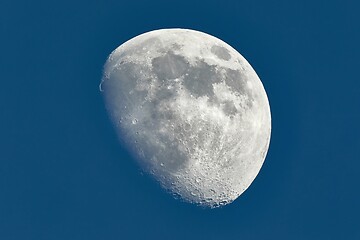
[191, 110]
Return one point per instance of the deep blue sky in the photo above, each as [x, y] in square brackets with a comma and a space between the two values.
[64, 175]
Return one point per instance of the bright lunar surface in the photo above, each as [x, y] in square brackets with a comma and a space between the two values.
[191, 110]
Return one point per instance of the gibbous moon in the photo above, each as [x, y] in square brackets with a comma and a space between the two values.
[192, 112]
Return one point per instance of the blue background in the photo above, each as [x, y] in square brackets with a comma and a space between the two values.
[64, 175]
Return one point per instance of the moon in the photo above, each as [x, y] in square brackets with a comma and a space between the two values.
[192, 112]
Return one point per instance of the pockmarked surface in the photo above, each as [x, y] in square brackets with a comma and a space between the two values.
[191, 110]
